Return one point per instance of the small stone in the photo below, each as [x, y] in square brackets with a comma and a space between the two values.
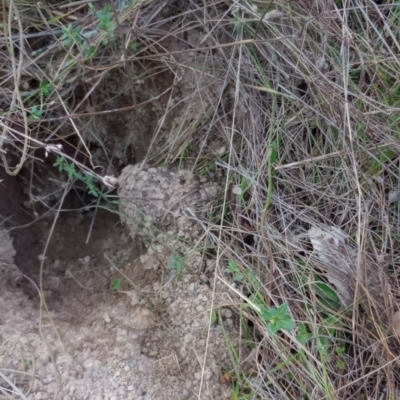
[229, 322]
[221, 150]
[121, 391]
[195, 324]
[130, 388]
[134, 298]
[127, 368]
[197, 375]
[226, 312]
[117, 374]
[88, 363]
[199, 308]
[203, 278]
[188, 338]
[207, 374]
[191, 287]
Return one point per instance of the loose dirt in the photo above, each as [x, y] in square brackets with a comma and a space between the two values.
[125, 310]
[146, 340]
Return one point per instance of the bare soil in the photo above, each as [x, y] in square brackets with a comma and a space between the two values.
[152, 338]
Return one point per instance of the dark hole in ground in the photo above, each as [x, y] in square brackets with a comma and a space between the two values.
[249, 240]
[68, 241]
[302, 88]
[114, 141]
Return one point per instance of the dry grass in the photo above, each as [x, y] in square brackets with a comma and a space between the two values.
[310, 116]
[306, 105]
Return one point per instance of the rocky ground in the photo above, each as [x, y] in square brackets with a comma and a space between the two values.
[127, 317]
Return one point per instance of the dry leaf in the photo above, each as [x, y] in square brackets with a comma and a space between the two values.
[225, 379]
[273, 15]
[342, 270]
[339, 259]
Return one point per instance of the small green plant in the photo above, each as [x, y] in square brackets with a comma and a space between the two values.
[45, 89]
[71, 35]
[63, 166]
[133, 46]
[238, 392]
[277, 319]
[106, 22]
[176, 264]
[303, 336]
[105, 18]
[115, 285]
[35, 113]
[233, 268]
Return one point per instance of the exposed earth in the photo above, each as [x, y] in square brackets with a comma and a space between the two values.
[151, 337]
[107, 303]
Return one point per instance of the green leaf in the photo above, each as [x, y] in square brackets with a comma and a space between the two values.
[45, 89]
[277, 318]
[281, 311]
[340, 350]
[59, 161]
[71, 35]
[232, 267]
[272, 328]
[115, 285]
[304, 336]
[214, 316]
[133, 46]
[273, 153]
[252, 278]
[287, 325]
[325, 291]
[238, 277]
[387, 155]
[324, 343]
[93, 192]
[35, 113]
[327, 295]
[267, 314]
[177, 262]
